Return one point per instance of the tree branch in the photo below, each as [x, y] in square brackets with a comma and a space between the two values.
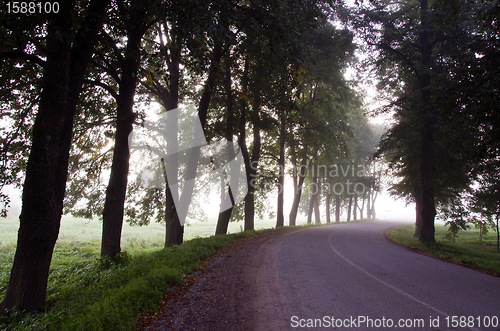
[23, 56]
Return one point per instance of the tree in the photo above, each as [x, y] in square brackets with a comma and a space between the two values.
[136, 20]
[421, 66]
[46, 170]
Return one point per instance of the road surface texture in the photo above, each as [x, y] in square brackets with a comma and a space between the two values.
[344, 276]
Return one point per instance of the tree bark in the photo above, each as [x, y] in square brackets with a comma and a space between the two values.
[112, 216]
[418, 219]
[314, 203]
[225, 216]
[251, 167]
[428, 210]
[355, 209]
[361, 209]
[280, 219]
[317, 218]
[297, 189]
[327, 206]
[498, 236]
[349, 209]
[46, 171]
[368, 209]
[175, 231]
[251, 171]
[372, 210]
[337, 209]
[41, 210]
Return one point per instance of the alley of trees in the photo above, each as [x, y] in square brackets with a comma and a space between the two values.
[268, 76]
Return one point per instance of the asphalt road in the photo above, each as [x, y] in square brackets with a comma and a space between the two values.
[349, 277]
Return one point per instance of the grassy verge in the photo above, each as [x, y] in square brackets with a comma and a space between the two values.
[86, 293]
[467, 250]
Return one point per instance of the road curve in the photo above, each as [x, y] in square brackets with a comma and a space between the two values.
[349, 277]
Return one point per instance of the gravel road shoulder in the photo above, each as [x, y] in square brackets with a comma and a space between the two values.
[221, 295]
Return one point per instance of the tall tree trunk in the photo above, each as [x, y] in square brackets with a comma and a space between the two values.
[368, 209]
[327, 206]
[280, 219]
[349, 208]
[428, 210]
[46, 171]
[242, 142]
[112, 216]
[251, 170]
[312, 200]
[355, 209]
[362, 208]
[418, 219]
[498, 236]
[317, 219]
[310, 209]
[372, 210]
[298, 181]
[175, 230]
[41, 210]
[337, 209]
[225, 216]
[252, 165]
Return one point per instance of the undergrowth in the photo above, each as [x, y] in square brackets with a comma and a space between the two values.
[466, 250]
[88, 293]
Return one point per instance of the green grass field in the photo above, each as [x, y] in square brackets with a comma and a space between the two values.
[466, 250]
[89, 231]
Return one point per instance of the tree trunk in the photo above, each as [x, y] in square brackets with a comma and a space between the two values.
[428, 210]
[310, 209]
[374, 197]
[498, 236]
[112, 216]
[297, 189]
[337, 209]
[174, 231]
[41, 210]
[312, 200]
[225, 216]
[317, 219]
[327, 206]
[46, 171]
[418, 219]
[251, 171]
[280, 219]
[362, 208]
[355, 209]
[349, 209]
[251, 168]
[368, 209]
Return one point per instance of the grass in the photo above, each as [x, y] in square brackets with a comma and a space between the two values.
[87, 293]
[467, 250]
